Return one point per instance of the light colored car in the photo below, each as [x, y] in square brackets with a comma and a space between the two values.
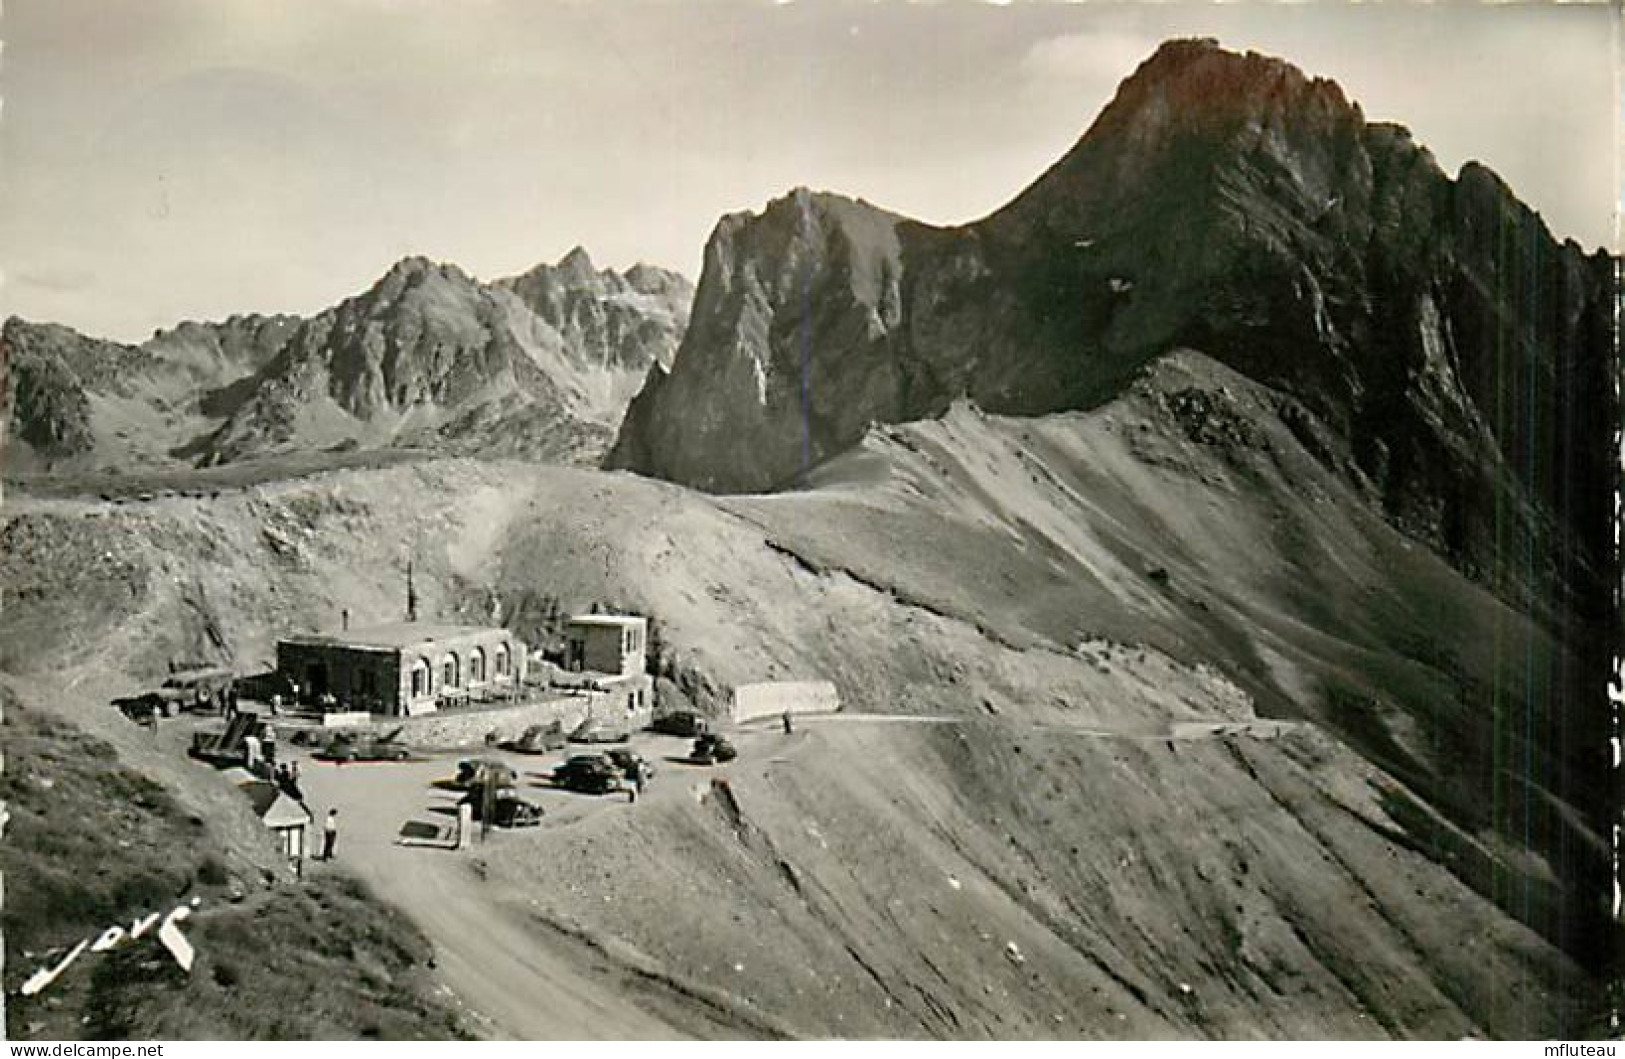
[538, 739]
[591, 731]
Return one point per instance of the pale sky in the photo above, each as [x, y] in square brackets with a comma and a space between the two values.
[163, 160]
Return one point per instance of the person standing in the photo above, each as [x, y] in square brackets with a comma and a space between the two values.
[330, 834]
[789, 726]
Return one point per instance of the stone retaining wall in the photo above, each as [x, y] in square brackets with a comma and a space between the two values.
[469, 727]
[777, 697]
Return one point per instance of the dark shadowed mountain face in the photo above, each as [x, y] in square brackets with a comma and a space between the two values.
[1423, 339]
[73, 399]
[1436, 342]
[539, 365]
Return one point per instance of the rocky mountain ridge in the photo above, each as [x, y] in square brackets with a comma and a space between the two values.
[1427, 331]
[540, 365]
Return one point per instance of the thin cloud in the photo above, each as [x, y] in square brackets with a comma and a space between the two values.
[52, 279]
[1086, 56]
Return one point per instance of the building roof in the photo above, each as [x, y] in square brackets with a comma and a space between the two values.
[274, 808]
[395, 635]
[612, 620]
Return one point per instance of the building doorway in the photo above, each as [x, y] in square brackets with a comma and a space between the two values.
[316, 680]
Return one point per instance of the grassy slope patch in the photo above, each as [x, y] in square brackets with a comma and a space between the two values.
[92, 844]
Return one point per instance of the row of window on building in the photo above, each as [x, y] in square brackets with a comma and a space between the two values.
[451, 671]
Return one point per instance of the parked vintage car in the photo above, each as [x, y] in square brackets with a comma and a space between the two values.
[588, 774]
[594, 731]
[508, 809]
[476, 770]
[712, 749]
[147, 707]
[199, 688]
[363, 750]
[681, 722]
[538, 739]
[626, 760]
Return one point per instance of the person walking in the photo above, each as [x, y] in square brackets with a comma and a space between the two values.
[330, 834]
[789, 726]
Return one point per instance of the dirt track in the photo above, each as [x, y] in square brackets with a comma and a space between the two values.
[487, 953]
[1179, 731]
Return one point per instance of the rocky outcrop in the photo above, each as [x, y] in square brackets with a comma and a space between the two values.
[540, 365]
[72, 398]
[619, 321]
[48, 407]
[795, 353]
[1454, 353]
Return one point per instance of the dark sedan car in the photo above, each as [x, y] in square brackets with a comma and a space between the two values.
[680, 722]
[588, 774]
[508, 809]
[366, 750]
[712, 750]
